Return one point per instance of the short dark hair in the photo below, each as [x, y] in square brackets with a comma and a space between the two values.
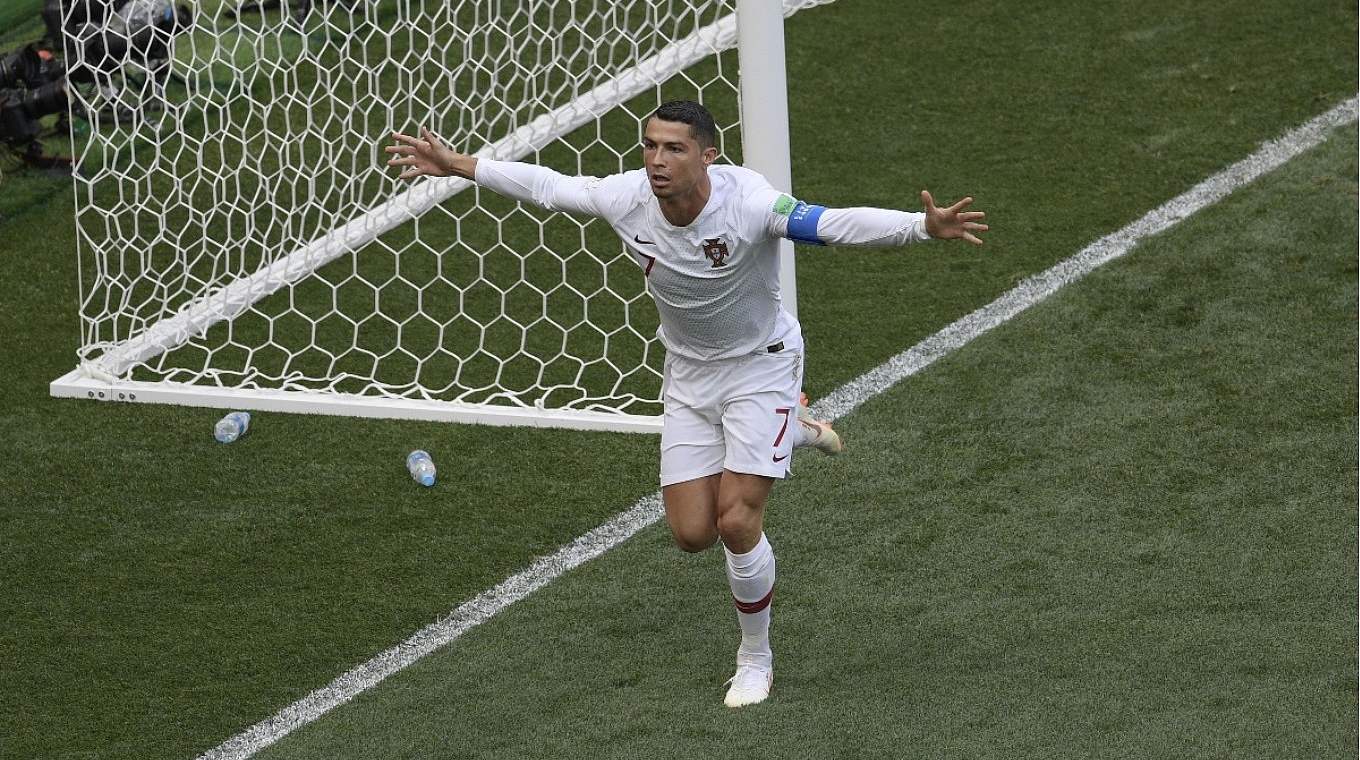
[701, 125]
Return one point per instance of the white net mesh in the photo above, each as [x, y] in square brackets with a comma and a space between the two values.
[238, 228]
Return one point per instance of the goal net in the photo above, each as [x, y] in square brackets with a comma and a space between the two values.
[242, 244]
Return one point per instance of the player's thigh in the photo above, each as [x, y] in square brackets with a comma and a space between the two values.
[692, 511]
[691, 463]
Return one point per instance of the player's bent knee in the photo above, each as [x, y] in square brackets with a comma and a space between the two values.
[694, 539]
[692, 534]
[738, 523]
[691, 513]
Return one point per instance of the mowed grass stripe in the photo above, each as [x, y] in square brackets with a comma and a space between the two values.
[167, 592]
[648, 510]
[1040, 286]
[1121, 526]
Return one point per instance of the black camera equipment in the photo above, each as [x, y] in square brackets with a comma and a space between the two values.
[110, 49]
[108, 34]
[32, 86]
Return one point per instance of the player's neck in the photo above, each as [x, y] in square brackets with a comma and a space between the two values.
[682, 210]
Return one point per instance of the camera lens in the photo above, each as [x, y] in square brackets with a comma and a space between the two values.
[48, 99]
[29, 67]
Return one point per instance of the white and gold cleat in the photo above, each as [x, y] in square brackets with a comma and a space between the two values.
[750, 685]
[816, 433]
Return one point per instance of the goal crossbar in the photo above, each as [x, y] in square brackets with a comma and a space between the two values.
[230, 300]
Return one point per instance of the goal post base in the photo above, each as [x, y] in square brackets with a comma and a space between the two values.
[76, 384]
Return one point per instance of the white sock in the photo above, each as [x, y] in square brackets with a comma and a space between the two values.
[751, 576]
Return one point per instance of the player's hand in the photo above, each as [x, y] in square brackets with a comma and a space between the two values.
[953, 221]
[424, 156]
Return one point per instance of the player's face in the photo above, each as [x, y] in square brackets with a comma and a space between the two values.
[674, 161]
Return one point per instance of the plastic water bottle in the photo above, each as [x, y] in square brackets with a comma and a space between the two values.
[421, 467]
[231, 427]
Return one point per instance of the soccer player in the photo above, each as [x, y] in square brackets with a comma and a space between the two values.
[706, 238]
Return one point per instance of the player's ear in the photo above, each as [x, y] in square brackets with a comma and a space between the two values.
[710, 155]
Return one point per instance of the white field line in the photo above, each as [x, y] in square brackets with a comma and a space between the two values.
[841, 402]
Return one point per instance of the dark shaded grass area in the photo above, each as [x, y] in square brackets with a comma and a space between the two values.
[1122, 526]
[165, 592]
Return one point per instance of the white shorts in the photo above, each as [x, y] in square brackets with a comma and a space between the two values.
[736, 414]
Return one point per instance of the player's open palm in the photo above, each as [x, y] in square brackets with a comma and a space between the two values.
[953, 221]
[422, 156]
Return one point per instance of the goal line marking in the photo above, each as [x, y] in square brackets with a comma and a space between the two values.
[839, 403]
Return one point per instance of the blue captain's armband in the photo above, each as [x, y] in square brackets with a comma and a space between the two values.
[803, 223]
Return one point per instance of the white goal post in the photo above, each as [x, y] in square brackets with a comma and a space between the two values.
[242, 245]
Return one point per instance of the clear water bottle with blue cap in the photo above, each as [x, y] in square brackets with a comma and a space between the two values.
[231, 427]
[421, 467]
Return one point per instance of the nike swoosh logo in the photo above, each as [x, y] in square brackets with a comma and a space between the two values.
[780, 459]
[644, 242]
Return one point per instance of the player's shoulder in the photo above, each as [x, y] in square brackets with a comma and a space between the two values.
[744, 181]
[633, 179]
[749, 193]
[750, 204]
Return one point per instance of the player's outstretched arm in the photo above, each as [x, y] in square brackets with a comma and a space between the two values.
[953, 222]
[818, 225]
[428, 156]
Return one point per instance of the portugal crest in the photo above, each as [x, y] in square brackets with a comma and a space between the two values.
[716, 251]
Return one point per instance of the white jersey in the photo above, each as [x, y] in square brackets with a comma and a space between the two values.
[715, 281]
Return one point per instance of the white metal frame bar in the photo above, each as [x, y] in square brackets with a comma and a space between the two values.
[74, 385]
[757, 26]
[765, 112]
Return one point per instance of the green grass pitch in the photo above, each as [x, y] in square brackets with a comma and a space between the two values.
[1122, 526]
